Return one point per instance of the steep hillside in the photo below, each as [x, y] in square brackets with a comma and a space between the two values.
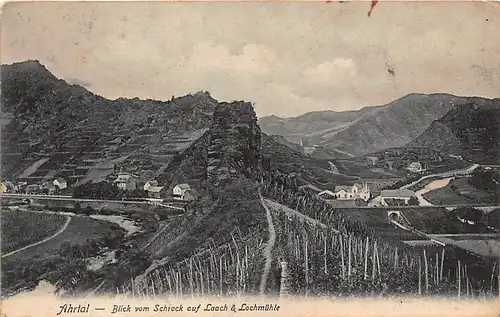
[471, 130]
[370, 129]
[282, 140]
[52, 129]
[224, 167]
[306, 169]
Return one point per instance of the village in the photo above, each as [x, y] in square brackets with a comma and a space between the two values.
[125, 186]
[361, 195]
[129, 186]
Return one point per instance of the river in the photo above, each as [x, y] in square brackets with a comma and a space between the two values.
[436, 184]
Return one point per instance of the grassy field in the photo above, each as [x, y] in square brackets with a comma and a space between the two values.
[21, 228]
[78, 232]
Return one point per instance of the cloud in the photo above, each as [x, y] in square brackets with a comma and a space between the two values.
[254, 59]
[330, 72]
[289, 58]
[329, 80]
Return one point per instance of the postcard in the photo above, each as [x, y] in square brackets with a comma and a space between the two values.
[221, 158]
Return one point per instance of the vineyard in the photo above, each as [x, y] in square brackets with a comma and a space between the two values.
[33, 226]
[229, 269]
[318, 251]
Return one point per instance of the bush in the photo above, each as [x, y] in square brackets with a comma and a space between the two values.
[413, 201]
[485, 179]
[472, 214]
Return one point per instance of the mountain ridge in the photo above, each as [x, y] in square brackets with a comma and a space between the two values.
[471, 131]
[45, 118]
[374, 128]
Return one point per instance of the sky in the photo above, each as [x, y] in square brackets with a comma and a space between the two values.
[287, 58]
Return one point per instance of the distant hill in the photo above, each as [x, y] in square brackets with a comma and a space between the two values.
[51, 128]
[309, 124]
[370, 129]
[282, 140]
[470, 130]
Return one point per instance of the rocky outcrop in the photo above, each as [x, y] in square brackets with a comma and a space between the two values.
[234, 143]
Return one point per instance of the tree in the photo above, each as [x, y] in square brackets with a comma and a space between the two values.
[472, 214]
[485, 179]
[413, 201]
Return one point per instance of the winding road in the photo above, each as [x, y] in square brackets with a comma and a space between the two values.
[68, 220]
[268, 248]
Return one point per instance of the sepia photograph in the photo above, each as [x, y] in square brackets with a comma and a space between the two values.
[282, 151]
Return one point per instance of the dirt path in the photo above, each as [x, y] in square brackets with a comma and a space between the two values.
[292, 212]
[156, 236]
[268, 248]
[68, 220]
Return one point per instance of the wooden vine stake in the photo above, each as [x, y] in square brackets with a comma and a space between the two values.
[373, 262]
[133, 290]
[426, 274]
[324, 253]
[349, 258]
[419, 277]
[459, 279]
[378, 261]
[307, 269]
[491, 279]
[442, 265]
[342, 256]
[220, 276]
[366, 258]
[153, 288]
[466, 280]
[436, 278]
[396, 258]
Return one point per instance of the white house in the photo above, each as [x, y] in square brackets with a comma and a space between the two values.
[180, 190]
[343, 192]
[126, 181]
[353, 192]
[150, 184]
[399, 194]
[154, 191]
[415, 167]
[60, 183]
